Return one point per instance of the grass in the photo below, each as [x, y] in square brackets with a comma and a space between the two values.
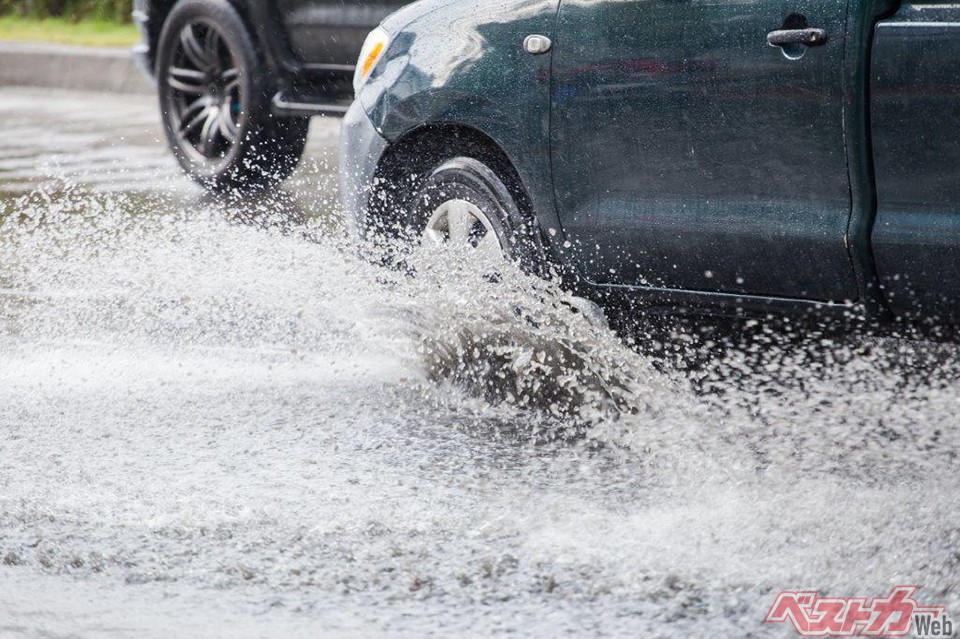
[88, 33]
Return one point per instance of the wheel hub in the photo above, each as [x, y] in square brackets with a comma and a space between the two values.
[462, 225]
[206, 93]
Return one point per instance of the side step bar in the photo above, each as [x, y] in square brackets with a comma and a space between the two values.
[300, 106]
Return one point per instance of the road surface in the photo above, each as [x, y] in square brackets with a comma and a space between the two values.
[215, 420]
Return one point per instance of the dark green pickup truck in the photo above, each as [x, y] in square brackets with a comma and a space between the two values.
[723, 156]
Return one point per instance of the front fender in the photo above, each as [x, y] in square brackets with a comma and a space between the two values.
[464, 63]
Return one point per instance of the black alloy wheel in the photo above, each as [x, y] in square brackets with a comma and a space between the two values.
[205, 97]
[215, 94]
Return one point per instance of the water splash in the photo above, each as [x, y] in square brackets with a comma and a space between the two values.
[201, 393]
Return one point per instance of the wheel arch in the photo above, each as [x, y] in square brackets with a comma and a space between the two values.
[408, 161]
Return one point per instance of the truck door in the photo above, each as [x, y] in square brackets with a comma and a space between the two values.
[689, 153]
[915, 119]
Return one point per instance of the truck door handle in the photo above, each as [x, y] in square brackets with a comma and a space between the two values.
[807, 37]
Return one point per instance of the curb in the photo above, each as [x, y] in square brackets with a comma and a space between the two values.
[64, 67]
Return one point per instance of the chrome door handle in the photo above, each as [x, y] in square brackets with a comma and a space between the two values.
[807, 37]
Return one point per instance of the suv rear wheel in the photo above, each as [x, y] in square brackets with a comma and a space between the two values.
[215, 97]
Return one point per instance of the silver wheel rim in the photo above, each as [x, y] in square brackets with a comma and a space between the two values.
[461, 225]
[205, 92]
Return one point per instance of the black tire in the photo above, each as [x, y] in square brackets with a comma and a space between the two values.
[215, 93]
[469, 179]
[466, 178]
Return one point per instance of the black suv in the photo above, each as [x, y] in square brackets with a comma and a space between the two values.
[239, 79]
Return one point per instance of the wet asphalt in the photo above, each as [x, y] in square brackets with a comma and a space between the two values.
[216, 420]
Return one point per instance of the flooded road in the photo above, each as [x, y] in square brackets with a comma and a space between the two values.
[216, 421]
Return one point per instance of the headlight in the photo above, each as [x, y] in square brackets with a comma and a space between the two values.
[373, 49]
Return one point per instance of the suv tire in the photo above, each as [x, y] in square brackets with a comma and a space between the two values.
[215, 95]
